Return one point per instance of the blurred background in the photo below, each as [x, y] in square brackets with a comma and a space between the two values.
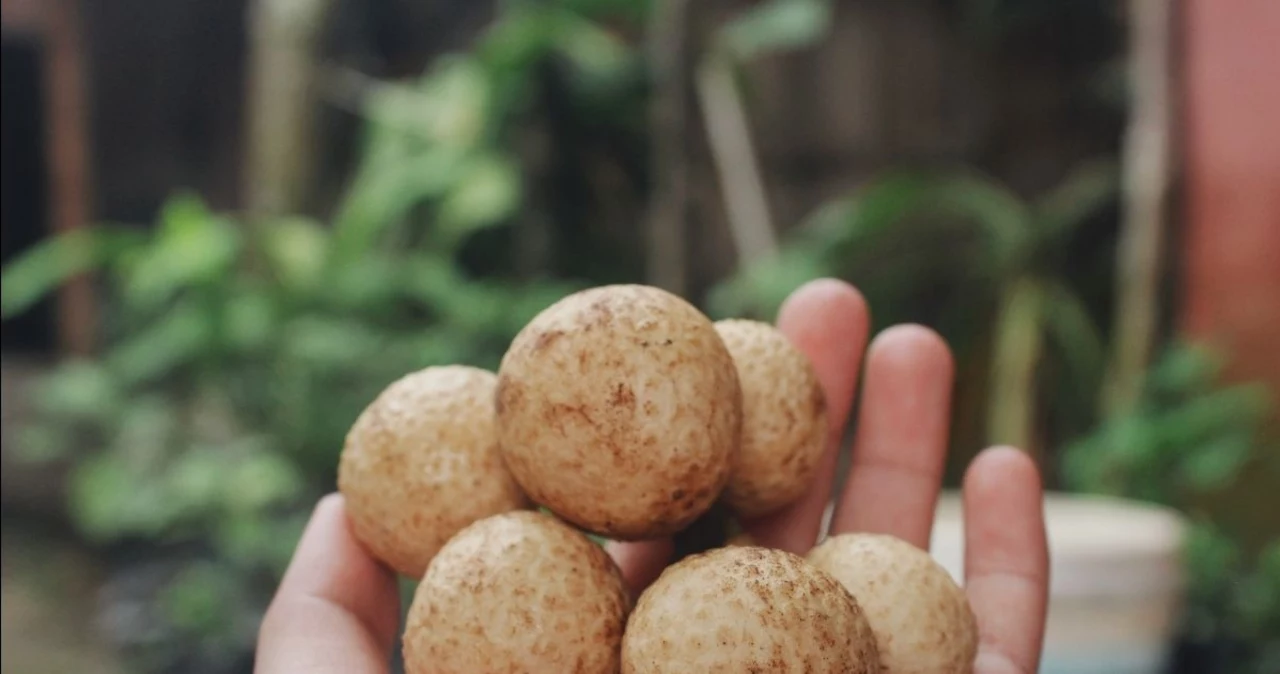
[227, 224]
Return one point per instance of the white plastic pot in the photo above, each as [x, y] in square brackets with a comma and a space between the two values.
[1116, 581]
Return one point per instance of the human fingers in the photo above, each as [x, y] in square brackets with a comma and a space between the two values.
[828, 321]
[1006, 560]
[641, 562]
[337, 608]
[901, 444]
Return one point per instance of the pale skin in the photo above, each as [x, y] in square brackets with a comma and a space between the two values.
[337, 609]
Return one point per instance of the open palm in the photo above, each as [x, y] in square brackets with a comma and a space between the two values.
[337, 608]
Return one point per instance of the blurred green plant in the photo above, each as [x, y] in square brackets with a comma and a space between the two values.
[238, 351]
[1000, 274]
[237, 354]
[1234, 600]
[1189, 439]
[1190, 436]
[991, 260]
[215, 412]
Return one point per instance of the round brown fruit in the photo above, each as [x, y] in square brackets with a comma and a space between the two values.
[518, 592]
[784, 419]
[747, 609]
[921, 617]
[421, 462]
[619, 410]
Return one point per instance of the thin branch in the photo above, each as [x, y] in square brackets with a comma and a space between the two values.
[736, 161]
[1147, 183]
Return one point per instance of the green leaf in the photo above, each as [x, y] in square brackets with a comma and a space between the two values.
[1085, 191]
[384, 194]
[196, 479]
[322, 344]
[487, 192]
[43, 443]
[939, 201]
[147, 429]
[1216, 463]
[258, 540]
[432, 278]
[183, 214]
[296, 248]
[250, 321]
[77, 391]
[1073, 331]
[760, 289]
[109, 500]
[193, 247]
[518, 39]
[776, 25]
[51, 263]
[165, 345]
[365, 284]
[594, 51]
[631, 10]
[1184, 369]
[201, 599]
[261, 479]
[98, 489]
[1203, 418]
[993, 208]
[448, 107]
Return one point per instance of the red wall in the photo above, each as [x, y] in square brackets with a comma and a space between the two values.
[1231, 278]
[1232, 242]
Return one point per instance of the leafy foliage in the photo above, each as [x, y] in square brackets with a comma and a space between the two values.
[238, 353]
[775, 25]
[1191, 438]
[985, 258]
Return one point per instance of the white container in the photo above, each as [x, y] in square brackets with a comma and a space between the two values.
[1116, 581]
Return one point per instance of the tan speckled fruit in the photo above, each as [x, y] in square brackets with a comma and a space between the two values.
[619, 410]
[784, 418]
[747, 609]
[421, 462]
[921, 618]
[519, 592]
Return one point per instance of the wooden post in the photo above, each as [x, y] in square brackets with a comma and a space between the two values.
[56, 25]
[68, 138]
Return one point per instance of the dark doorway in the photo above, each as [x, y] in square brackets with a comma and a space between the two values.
[24, 212]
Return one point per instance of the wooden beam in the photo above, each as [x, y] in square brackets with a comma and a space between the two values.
[24, 16]
[67, 115]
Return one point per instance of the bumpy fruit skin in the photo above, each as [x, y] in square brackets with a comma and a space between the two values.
[519, 592]
[421, 462]
[922, 619]
[619, 410]
[784, 419]
[747, 609]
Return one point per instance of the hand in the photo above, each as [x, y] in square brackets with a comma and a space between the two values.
[337, 609]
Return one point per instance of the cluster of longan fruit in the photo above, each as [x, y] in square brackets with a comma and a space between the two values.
[624, 412]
